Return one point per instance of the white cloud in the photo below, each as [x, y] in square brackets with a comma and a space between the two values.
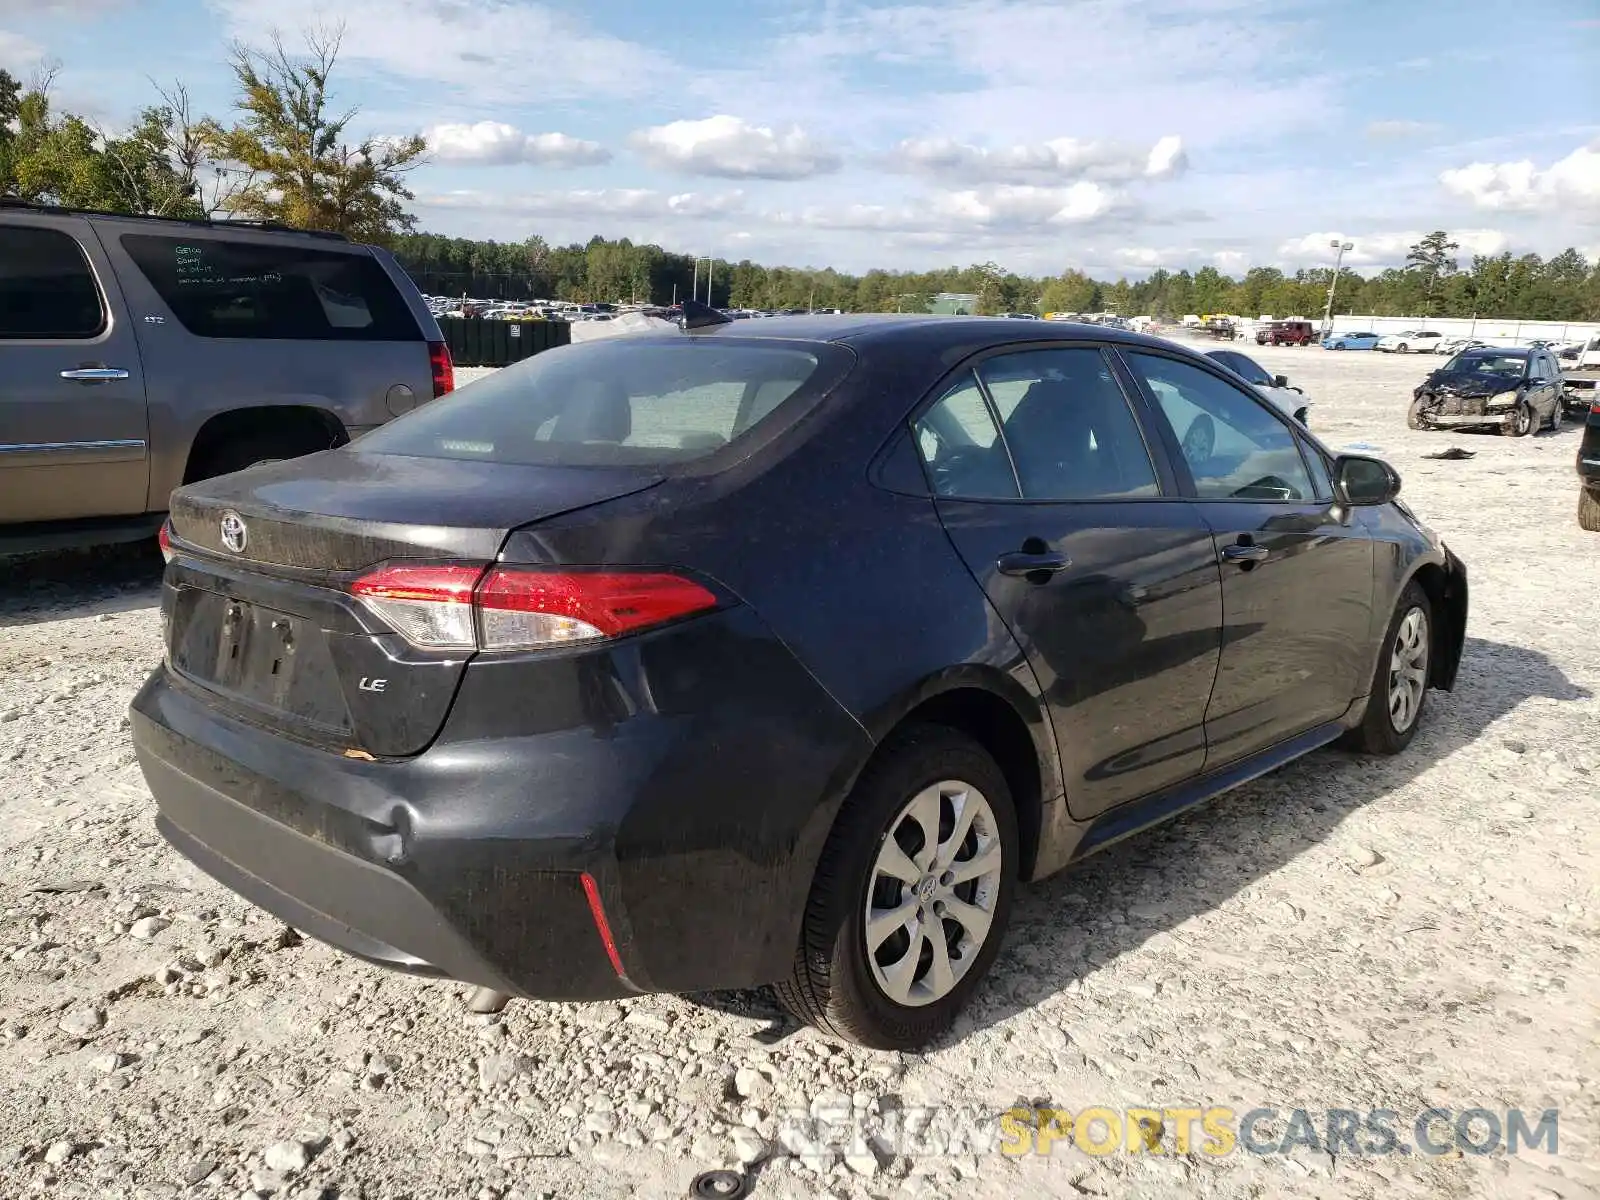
[505, 49]
[1387, 249]
[1013, 204]
[732, 148]
[594, 202]
[494, 143]
[1056, 161]
[16, 49]
[1399, 128]
[1571, 182]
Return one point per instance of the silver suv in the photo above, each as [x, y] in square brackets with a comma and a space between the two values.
[137, 354]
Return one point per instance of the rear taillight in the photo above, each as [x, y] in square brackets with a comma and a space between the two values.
[443, 370]
[164, 540]
[516, 608]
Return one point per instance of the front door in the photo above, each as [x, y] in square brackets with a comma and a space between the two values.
[1297, 569]
[73, 435]
[1108, 582]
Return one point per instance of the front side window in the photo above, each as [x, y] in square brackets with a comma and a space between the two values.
[47, 290]
[1068, 426]
[1235, 448]
[236, 289]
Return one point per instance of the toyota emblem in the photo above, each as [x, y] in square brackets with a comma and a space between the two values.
[234, 534]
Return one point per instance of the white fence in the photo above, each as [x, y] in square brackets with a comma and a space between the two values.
[1486, 329]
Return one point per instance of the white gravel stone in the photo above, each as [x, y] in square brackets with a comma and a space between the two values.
[288, 1156]
[81, 1021]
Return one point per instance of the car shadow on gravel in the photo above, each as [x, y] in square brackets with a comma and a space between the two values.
[1069, 926]
[61, 584]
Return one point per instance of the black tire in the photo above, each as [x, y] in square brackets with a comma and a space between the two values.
[1414, 417]
[1377, 733]
[1556, 414]
[832, 986]
[1522, 422]
[1589, 509]
[239, 453]
[1402, 348]
[1338, 346]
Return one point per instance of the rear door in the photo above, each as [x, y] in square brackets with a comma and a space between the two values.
[1108, 580]
[1297, 569]
[73, 433]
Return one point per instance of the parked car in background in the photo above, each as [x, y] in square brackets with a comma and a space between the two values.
[773, 670]
[1516, 390]
[1275, 388]
[1580, 377]
[141, 354]
[1589, 472]
[1285, 333]
[1412, 341]
[1456, 345]
[1365, 340]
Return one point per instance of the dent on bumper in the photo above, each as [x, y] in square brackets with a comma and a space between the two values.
[693, 776]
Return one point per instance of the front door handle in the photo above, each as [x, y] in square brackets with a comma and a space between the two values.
[94, 374]
[1021, 562]
[1244, 553]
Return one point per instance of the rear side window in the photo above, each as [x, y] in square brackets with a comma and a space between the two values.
[47, 290]
[619, 401]
[228, 289]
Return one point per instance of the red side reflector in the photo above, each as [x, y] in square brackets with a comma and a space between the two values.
[591, 889]
[164, 540]
[442, 368]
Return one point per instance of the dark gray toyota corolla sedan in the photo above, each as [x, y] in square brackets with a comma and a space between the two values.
[769, 652]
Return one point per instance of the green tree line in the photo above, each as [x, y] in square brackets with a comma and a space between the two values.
[1563, 288]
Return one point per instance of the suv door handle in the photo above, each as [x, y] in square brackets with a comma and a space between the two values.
[1244, 553]
[94, 374]
[1020, 562]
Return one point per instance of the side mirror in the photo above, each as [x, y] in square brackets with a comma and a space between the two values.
[1360, 481]
[1281, 381]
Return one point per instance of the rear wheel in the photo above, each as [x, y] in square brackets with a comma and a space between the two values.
[1400, 683]
[249, 451]
[1556, 413]
[911, 896]
[1589, 509]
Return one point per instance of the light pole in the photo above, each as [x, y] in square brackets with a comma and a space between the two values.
[694, 288]
[1327, 313]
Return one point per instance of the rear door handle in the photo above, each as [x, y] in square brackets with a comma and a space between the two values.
[1019, 562]
[94, 374]
[1241, 552]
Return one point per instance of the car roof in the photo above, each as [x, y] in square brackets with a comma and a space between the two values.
[917, 330]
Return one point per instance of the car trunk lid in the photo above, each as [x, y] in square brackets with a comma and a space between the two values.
[258, 605]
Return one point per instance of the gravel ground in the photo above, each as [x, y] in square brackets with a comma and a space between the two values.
[1347, 933]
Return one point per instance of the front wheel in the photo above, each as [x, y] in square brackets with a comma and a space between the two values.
[1400, 683]
[1416, 418]
[1521, 422]
[1402, 348]
[911, 895]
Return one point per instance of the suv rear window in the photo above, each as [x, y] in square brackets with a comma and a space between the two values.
[618, 401]
[229, 289]
[46, 287]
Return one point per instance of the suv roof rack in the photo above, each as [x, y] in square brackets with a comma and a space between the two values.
[204, 222]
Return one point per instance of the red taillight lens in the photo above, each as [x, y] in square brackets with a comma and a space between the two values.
[520, 609]
[164, 540]
[513, 608]
[444, 371]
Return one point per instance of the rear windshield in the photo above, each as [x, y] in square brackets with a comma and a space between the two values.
[229, 289]
[619, 401]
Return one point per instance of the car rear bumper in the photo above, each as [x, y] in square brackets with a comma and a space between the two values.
[694, 811]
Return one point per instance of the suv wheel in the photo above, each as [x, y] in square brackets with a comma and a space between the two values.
[1589, 509]
[1521, 423]
[1400, 684]
[911, 896]
[1415, 417]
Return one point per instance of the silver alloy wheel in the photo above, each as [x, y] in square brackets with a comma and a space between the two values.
[932, 893]
[1523, 420]
[1408, 670]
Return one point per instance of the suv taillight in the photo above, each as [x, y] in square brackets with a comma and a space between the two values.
[164, 540]
[523, 608]
[443, 370]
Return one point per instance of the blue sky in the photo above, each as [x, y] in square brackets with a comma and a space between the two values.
[1110, 135]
